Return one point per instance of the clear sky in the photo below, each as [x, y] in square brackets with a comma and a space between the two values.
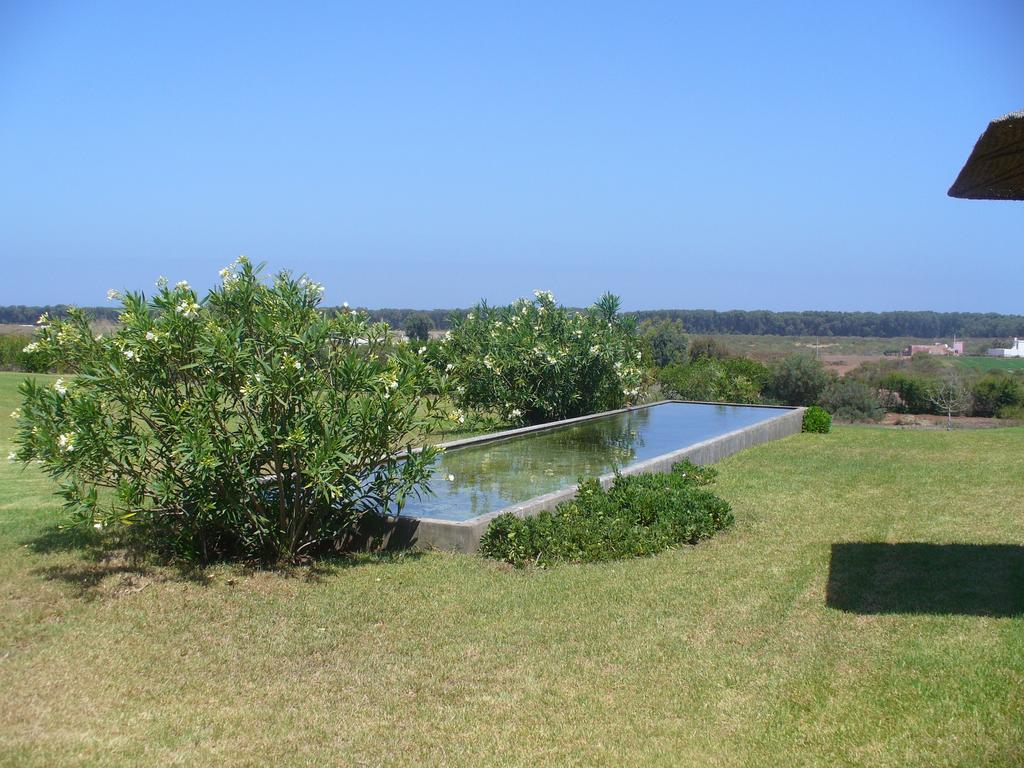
[718, 155]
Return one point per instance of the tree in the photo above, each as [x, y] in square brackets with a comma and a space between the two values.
[665, 341]
[418, 325]
[951, 396]
[246, 424]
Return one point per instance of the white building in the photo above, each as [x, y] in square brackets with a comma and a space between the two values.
[1016, 350]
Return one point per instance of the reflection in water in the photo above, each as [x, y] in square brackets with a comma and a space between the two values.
[492, 476]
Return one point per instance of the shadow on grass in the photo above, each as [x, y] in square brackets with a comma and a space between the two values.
[330, 565]
[917, 578]
[104, 564]
[71, 539]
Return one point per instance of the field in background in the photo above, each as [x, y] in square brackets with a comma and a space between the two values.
[835, 624]
[844, 353]
[770, 347]
[984, 364]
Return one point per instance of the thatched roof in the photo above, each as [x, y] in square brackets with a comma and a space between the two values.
[995, 169]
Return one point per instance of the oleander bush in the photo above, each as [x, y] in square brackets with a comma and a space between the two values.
[817, 419]
[729, 380]
[13, 356]
[639, 515]
[536, 361]
[244, 424]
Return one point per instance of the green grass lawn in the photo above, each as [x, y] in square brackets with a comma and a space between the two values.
[798, 637]
[984, 364]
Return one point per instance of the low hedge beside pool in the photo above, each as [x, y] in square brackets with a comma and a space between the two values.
[639, 515]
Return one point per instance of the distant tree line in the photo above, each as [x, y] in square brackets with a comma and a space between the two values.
[812, 323]
[824, 323]
[703, 321]
[27, 315]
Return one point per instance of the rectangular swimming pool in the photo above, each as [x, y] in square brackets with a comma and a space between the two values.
[531, 469]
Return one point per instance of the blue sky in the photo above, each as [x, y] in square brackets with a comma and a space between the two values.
[721, 155]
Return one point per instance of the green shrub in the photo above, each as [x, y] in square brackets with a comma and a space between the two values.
[639, 515]
[247, 424]
[997, 393]
[913, 393]
[852, 401]
[708, 347]
[817, 419]
[536, 361]
[797, 380]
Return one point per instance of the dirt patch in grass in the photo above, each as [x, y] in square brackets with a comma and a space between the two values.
[932, 421]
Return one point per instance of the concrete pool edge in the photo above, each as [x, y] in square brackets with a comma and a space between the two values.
[464, 535]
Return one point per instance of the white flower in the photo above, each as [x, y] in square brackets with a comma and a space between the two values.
[98, 526]
[42, 319]
[393, 385]
[470, 316]
[150, 336]
[99, 337]
[113, 294]
[16, 413]
[225, 273]
[129, 354]
[66, 442]
[516, 413]
[421, 350]
[461, 390]
[451, 478]
[448, 367]
[161, 282]
[182, 285]
[32, 347]
[297, 365]
[12, 456]
[60, 387]
[187, 309]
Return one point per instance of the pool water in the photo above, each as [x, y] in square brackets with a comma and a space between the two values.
[490, 476]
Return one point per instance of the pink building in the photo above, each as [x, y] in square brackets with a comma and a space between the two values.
[937, 348]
